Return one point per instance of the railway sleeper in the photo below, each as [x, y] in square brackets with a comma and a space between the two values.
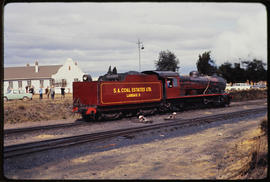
[111, 116]
[145, 112]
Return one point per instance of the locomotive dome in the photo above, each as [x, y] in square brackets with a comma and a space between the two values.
[194, 74]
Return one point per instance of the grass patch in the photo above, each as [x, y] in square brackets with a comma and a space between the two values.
[257, 163]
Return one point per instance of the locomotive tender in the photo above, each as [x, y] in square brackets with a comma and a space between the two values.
[131, 93]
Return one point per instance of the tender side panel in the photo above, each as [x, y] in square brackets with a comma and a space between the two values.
[85, 92]
[116, 93]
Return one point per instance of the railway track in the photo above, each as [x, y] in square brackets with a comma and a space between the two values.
[47, 127]
[65, 125]
[32, 147]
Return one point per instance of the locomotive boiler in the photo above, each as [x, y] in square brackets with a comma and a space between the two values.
[134, 93]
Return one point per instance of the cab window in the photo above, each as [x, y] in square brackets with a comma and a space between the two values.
[175, 84]
[169, 83]
[172, 82]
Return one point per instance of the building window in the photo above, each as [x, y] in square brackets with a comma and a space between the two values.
[64, 82]
[41, 83]
[52, 82]
[20, 84]
[76, 79]
[10, 84]
[60, 83]
[29, 83]
[69, 68]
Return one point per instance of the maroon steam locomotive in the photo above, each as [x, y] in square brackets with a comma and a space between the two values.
[131, 93]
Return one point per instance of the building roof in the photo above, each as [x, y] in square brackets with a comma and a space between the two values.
[28, 72]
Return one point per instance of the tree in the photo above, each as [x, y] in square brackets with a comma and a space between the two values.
[232, 73]
[255, 70]
[226, 71]
[205, 65]
[167, 61]
[239, 74]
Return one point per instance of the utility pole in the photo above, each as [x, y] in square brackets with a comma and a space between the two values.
[140, 46]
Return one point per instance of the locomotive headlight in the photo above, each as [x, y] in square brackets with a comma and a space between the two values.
[84, 77]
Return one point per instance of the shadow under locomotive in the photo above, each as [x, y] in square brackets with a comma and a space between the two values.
[133, 93]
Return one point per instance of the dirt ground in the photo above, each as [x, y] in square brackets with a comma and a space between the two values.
[18, 111]
[221, 152]
[228, 151]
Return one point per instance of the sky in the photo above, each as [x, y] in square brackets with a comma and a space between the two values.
[98, 35]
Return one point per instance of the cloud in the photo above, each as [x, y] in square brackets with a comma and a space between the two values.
[101, 34]
[247, 41]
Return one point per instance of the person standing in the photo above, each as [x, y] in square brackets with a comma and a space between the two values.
[47, 92]
[31, 91]
[62, 92]
[40, 93]
[8, 89]
[26, 89]
[52, 92]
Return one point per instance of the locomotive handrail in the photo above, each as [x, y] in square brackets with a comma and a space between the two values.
[207, 85]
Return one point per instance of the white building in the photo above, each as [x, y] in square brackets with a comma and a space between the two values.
[44, 76]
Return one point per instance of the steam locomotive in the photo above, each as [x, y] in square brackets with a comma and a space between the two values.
[147, 92]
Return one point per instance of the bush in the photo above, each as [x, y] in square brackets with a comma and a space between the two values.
[264, 126]
[243, 95]
[22, 107]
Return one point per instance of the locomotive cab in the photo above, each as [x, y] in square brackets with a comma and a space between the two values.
[172, 87]
[170, 82]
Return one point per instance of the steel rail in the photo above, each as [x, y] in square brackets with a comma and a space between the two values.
[44, 127]
[28, 148]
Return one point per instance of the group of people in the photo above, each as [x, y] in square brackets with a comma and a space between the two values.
[49, 91]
